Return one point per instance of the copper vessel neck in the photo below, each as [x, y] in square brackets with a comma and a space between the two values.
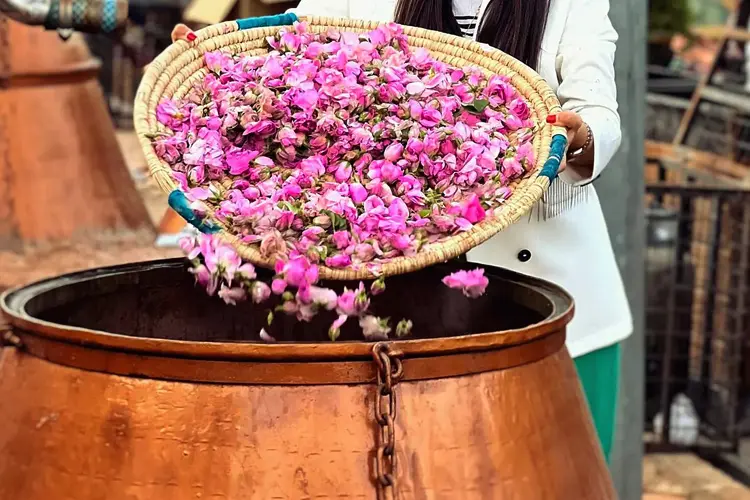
[150, 320]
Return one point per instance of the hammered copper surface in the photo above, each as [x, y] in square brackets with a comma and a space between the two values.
[519, 429]
[73, 435]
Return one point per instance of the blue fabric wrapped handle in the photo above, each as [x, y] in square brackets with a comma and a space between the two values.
[82, 17]
[180, 204]
[265, 21]
[556, 155]
[177, 199]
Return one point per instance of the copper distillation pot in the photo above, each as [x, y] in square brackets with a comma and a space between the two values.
[63, 178]
[129, 383]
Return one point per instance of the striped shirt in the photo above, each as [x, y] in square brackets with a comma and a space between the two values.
[467, 15]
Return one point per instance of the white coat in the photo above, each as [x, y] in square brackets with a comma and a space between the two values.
[573, 249]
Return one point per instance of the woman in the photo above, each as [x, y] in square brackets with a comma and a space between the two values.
[565, 240]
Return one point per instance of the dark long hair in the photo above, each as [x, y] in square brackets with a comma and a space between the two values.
[514, 26]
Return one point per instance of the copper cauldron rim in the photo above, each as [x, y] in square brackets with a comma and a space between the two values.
[27, 325]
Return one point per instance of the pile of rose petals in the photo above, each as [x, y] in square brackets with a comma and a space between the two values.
[343, 150]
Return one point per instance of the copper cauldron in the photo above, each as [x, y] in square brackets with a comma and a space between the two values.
[129, 383]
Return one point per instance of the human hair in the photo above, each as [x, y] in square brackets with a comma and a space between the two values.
[514, 26]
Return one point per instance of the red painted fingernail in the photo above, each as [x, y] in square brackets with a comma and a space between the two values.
[191, 37]
[552, 119]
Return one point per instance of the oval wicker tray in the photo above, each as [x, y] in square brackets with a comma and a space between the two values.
[173, 72]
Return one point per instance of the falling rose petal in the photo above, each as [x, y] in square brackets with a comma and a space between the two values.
[378, 286]
[265, 337]
[232, 295]
[335, 330]
[260, 292]
[278, 286]
[471, 283]
[374, 328]
[403, 328]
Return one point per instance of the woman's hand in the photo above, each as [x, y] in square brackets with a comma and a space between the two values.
[182, 32]
[578, 136]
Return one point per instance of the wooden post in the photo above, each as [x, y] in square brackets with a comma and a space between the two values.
[621, 190]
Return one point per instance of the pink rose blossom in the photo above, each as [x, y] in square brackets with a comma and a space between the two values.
[169, 113]
[335, 330]
[393, 152]
[358, 193]
[519, 108]
[374, 328]
[205, 278]
[512, 168]
[339, 260]
[343, 172]
[232, 295]
[324, 297]
[378, 286]
[341, 239]
[353, 302]
[272, 244]
[471, 283]
[260, 292]
[278, 286]
[472, 210]
[246, 271]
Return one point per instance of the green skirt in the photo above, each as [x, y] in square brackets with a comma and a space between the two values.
[599, 372]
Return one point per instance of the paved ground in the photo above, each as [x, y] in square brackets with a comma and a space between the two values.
[686, 477]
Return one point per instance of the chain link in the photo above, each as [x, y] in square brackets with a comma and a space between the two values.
[390, 370]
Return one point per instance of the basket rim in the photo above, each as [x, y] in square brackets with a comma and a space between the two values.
[526, 193]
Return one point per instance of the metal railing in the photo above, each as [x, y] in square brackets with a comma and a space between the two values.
[697, 317]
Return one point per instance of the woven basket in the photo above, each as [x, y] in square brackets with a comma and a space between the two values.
[174, 71]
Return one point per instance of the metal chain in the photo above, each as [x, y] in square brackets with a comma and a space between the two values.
[390, 371]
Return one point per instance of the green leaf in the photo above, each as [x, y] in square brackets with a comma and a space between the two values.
[481, 104]
[478, 106]
[338, 222]
[156, 135]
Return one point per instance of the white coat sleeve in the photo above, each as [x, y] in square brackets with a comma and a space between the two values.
[329, 8]
[585, 66]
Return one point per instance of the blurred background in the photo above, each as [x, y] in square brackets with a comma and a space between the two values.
[75, 193]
